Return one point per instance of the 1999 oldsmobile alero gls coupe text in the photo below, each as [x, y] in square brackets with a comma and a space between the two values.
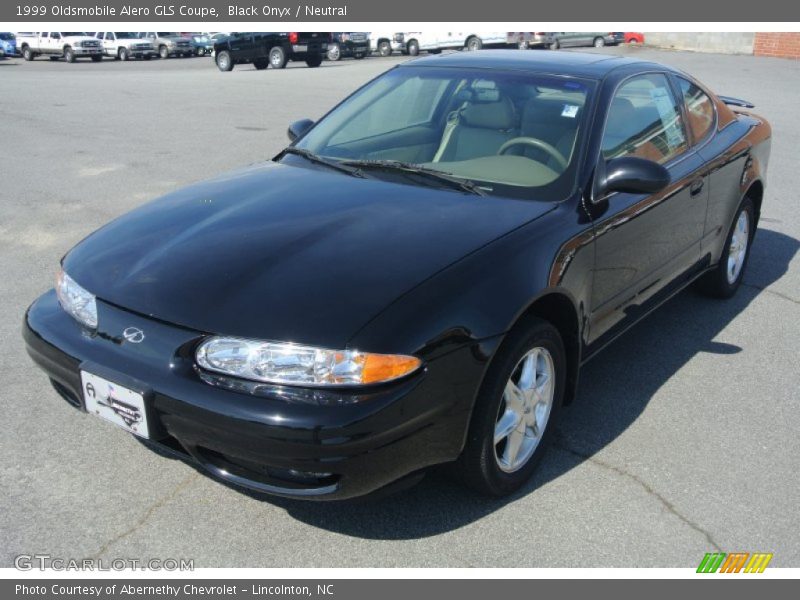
[416, 280]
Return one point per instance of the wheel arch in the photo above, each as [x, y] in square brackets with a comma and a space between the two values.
[755, 191]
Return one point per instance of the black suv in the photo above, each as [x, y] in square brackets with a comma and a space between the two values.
[344, 44]
[271, 49]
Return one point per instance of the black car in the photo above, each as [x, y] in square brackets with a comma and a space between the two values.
[269, 49]
[417, 279]
[344, 44]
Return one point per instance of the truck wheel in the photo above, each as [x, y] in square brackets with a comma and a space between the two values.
[413, 47]
[555, 45]
[69, 55]
[201, 52]
[224, 61]
[27, 53]
[123, 54]
[385, 49]
[334, 52]
[261, 63]
[277, 58]
[314, 61]
[474, 43]
[163, 52]
[97, 58]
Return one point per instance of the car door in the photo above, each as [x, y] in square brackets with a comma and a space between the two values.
[51, 44]
[646, 245]
[242, 45]
[110, 44]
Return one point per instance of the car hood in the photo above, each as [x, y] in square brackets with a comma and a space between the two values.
[286, 252]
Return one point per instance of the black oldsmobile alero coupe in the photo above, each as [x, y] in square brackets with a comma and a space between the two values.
[416, 280]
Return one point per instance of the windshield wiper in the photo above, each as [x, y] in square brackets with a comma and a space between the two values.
[464, 185]
[320, 160]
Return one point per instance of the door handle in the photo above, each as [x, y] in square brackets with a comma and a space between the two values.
[696, 187]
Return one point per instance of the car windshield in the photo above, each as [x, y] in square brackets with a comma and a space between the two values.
[510, 133]
[73, 33]
[125, 35]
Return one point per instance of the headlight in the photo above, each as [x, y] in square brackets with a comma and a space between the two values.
[293, 364]
[76, 301]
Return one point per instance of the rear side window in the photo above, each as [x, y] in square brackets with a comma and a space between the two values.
[644, 121]
[699, 109]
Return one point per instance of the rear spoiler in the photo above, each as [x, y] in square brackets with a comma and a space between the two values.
[736, 102]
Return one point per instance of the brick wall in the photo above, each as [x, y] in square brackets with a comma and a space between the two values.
[784, 45]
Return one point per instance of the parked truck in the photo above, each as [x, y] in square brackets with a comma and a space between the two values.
[124, 45]
[69, 45]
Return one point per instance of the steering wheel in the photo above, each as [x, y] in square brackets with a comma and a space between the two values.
[536, 143]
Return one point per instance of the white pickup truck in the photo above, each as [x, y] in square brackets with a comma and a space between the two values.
[125, 45]
[70, 45]
[414, 42]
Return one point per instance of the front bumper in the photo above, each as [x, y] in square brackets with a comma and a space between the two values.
[295, 442]
[87, 51]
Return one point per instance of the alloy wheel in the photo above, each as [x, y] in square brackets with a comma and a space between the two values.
[738, 247]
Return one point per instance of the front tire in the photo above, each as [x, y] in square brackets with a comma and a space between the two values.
[726, 278]
[385, 49]
[201, 52]
[224, 61]
[473, 44]
[69, 55]
[277, 58]
[413, 48]
[598, 42]
[163, 52]
[28, 54]
[334, 52]
[516, 410]
[314, 61]
[123, 54]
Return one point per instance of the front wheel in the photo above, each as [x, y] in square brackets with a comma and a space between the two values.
[385, 49]
[224, 61]
[28, 54]
[515, 413]
[69, 55]
[334, 52]
[123, 54]
[314, 61]
[413, 48]
[277, 58]
[599, 42]
[201, 52]
[163, 52]
[726, 278]
[474, 43]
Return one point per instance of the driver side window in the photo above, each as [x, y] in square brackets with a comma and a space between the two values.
[644, 121]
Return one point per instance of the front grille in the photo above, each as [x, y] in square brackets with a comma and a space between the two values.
[358, 37]
[141, 47]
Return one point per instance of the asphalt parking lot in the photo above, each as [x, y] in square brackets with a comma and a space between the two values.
[684, 438]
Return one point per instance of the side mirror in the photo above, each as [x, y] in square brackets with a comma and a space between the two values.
[629, 174]
[298, 128]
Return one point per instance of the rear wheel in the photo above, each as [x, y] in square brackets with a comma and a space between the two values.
[385, 49]
[224, 61]
[599, 42]
[515, 413]
[277, 58]
[28, 54]
[314, 61]
[261, 63]
[413, 48]
[334, 52]
[69, 55]
[726, 278]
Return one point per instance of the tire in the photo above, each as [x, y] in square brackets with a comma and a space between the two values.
[163, 52]
[123, 54]
[28, 54]
[261, 63]
[334, 52]
[555, 45]
[97, 58]
[598, 42]
[314, 61]
[224, 61]
[413, 48]
[484, 465]
[277, 58]
[385, 49]
[69, 55]
[522, 45]
[727, 276]
[201, 52]
[473, 44]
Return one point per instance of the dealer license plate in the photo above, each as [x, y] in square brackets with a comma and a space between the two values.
[115, 403]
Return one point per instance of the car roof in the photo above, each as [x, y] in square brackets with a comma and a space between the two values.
[576, 64]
